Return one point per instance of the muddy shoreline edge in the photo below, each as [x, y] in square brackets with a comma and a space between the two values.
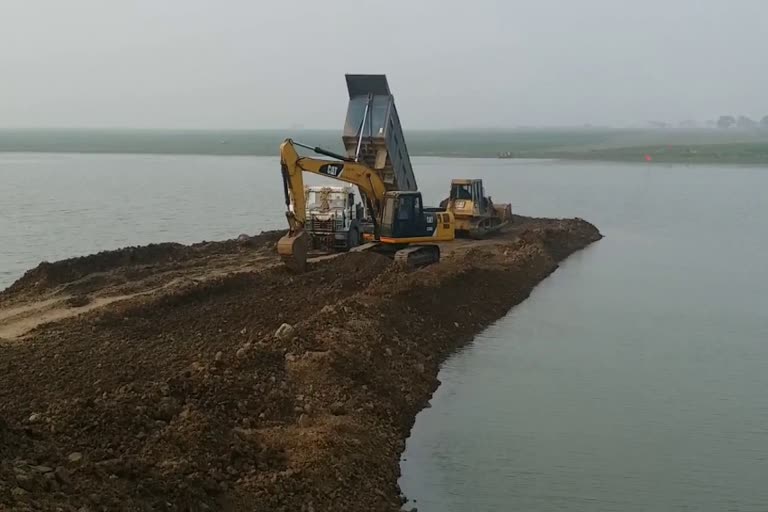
[189, 394]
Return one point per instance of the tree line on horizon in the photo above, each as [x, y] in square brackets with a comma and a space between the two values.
[723, 122]
[743, 122]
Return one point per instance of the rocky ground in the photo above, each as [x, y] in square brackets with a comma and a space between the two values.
[207, 377]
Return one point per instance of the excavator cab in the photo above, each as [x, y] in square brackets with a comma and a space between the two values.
[404, 219]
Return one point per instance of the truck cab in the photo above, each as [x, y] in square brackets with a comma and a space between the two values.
[334, 220]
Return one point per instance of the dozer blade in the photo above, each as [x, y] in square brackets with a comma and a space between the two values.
[293, 250]
[503, 211]
[484, 228]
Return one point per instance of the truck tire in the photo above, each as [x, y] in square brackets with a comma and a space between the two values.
[353, 238]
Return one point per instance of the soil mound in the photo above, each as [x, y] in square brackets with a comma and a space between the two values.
[48, 275]
[254, 390]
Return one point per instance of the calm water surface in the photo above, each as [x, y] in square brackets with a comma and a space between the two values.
[634, 378]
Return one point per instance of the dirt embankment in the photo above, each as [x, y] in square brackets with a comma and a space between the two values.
[130, 264]
[184, 398]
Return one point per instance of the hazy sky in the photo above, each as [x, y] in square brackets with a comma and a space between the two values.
[479, 63]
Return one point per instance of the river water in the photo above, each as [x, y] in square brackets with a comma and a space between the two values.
[634, 378]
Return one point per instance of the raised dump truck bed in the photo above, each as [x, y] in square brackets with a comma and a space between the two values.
[372, 132]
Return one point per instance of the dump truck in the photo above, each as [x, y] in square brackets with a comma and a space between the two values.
[376, 160]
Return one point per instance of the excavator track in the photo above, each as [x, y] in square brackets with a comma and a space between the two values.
[418, 256]
[413, 256]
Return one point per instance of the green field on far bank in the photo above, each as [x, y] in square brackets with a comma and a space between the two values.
[731, 153]
[662, 145]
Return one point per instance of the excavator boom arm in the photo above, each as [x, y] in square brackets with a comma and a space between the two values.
[293, 166]
[293, 247]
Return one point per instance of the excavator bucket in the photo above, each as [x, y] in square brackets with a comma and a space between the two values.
[293, 250]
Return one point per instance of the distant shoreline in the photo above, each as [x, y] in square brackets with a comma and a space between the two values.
[647, 146]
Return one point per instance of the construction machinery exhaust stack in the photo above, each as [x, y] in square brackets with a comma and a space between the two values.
[372, 132]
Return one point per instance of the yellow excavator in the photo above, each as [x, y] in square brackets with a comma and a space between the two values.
[402, 227]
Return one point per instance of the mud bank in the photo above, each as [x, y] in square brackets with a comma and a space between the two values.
[165, 386]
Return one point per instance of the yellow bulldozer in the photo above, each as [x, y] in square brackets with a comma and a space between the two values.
[475, 214]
